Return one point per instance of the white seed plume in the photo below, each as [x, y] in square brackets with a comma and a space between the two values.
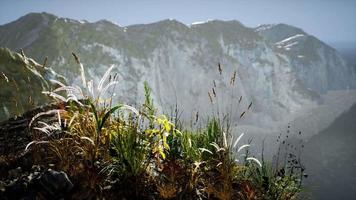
[225, 139]
[238, 139]
[82, 72]
[255, 160]
[88, 139]
[242, 147]
[105, 76]
[205, 150]
[34, 142]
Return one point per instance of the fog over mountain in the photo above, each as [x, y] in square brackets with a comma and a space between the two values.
[347, 51]
[290, 76]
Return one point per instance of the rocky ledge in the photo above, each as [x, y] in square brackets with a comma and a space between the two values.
[19, 177]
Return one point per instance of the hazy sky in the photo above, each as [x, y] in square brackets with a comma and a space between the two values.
[329, 20]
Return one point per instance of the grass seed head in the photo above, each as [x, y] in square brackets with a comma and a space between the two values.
[210, 98]
[220, 68]
[233, 78]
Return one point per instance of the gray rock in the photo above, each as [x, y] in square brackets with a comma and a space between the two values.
[53, 184]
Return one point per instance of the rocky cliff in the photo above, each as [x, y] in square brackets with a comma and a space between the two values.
[280, 68]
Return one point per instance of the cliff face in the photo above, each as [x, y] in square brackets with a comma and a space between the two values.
[279, 67]
[317, 65]
[22, 81]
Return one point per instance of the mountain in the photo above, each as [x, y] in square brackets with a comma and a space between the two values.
[330, 159]
[280, 68]
[317, 65]
[22, 81]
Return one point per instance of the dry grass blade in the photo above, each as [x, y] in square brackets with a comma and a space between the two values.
[88, 139]
[242, 147]
[220, 68]
[91, 88]
[238, 139]
[225, 139]
[48, 129]
[22, 53]
[196, 116]
[240, 99]
[69, 89]
[254, 160]
[232, 81]
[249, 106]
[43, 130]
[205, 150]
[107, 87]
[55, 96]
[59, 118]
[7, 79]
[105, 76]
[76, 58]
[210, 98]
[45, 62]
[35, 142]
[82, 72]
[57, 82]
[41, 114]
[242, 114]
[132, 109]
[216, 146]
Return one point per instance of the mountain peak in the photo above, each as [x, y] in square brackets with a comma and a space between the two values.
[108, 22]
[38, 16]
[278, 32]
[216, 22]
[264, 27]
[170, 23]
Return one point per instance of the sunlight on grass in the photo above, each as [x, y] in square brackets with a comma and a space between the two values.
[137, 152]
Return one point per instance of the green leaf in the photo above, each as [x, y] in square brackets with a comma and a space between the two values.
[107, 115]
[95, 114]
[161, 151]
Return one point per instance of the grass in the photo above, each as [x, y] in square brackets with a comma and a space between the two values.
[114, 150]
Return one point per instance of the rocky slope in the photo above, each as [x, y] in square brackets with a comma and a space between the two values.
[279, 67]
[318, 66]
[330, 159]
[20, 177]
[22, 81]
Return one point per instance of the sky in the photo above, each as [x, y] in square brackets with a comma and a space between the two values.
[333, 21]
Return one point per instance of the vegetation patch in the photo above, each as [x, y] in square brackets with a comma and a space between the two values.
[98, 149]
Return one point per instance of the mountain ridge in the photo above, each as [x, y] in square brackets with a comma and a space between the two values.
[174, 57]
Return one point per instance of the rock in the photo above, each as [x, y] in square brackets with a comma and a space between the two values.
[15, 173]
[53, 184]
[15, 134]
[15, 189]
[19, 177]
